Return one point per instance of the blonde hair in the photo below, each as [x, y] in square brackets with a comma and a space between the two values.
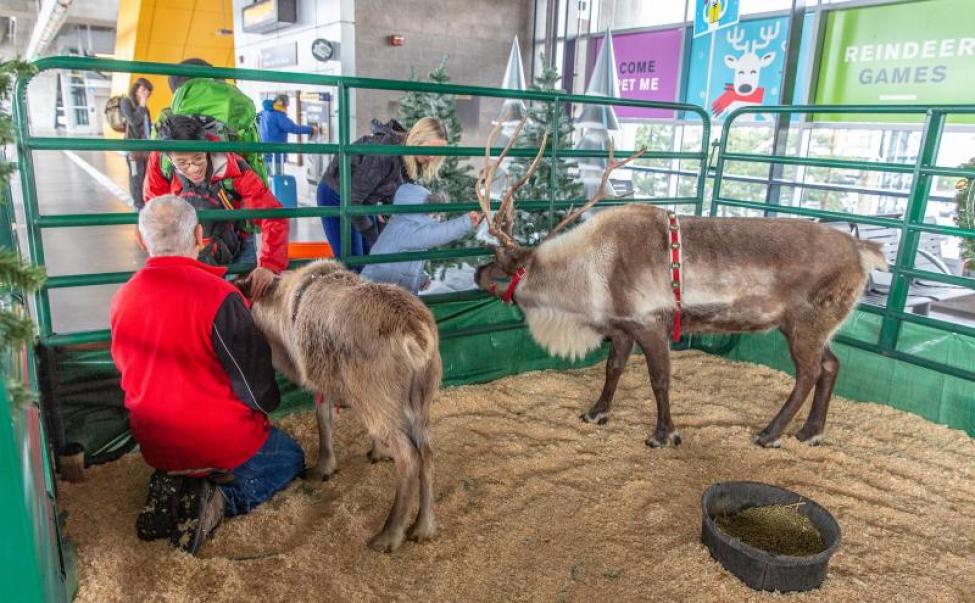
[424, 130]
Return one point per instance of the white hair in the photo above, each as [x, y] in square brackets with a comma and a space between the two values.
[167, 225]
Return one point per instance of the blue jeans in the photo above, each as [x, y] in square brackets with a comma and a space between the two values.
[272, 467]
[326, 197]
[248, 251]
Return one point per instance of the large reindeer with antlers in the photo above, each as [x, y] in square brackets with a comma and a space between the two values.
[638, 273]
[747, 69]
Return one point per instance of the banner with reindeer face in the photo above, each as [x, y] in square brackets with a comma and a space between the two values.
[744, 68]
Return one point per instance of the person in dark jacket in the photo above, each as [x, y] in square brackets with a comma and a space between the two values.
[138, 126]
[414, 232]
[375, 178]
[198, 384]
[274, 125]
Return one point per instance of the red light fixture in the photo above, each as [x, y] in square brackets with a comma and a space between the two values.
[396, 40]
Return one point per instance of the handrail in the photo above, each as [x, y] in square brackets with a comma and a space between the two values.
[911, 225]
[344, 148]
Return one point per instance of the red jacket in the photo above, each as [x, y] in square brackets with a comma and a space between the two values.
[196, 372]
[253, 195]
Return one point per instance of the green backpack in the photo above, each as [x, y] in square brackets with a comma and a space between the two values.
[225, 111]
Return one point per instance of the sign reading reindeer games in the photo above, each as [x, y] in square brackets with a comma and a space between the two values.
[743, 68]
[913, 53]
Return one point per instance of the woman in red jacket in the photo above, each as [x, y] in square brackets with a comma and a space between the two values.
[220, 181]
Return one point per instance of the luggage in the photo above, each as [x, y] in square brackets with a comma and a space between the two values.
[285, 188]
[113, 114]
[225, 112]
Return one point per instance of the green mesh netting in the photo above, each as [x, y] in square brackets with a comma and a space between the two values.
[482, 340]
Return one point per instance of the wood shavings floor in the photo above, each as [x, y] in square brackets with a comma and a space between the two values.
[536, 505]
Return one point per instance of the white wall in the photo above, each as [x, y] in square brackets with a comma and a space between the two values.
[328, 19]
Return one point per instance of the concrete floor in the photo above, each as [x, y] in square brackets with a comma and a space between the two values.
[64, 187]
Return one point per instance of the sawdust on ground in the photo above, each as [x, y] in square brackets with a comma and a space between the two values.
[535, 505]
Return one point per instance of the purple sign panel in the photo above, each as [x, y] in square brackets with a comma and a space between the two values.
[648, 67]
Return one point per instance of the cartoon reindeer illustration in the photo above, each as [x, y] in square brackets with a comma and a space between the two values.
[745, 90]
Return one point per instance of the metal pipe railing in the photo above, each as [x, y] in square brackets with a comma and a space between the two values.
[344, 148]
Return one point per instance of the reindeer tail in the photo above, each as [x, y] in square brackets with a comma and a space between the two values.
[872, 255]
[423, 386]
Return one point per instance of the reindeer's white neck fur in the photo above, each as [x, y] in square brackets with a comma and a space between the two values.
[566, 326]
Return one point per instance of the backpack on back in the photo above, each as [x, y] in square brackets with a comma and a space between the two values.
[225, 112]
[113, 113]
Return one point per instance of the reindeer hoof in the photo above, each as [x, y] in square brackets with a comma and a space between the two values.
[377, 457]
[811, 439]
[764, 440]
[423, 531]
[317, 474]
[385, 542]
[661, 441]
[599, 418]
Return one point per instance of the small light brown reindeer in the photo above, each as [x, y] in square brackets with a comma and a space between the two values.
[612, 276]
[376, 347]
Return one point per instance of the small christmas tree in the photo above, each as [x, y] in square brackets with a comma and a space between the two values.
[966, 215]
[530, 227]
[456, 181]
[16, 277]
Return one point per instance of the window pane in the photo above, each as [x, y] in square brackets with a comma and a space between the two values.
[640, 13]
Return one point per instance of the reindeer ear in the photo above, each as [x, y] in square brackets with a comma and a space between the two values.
[767, 59]
[730, 61]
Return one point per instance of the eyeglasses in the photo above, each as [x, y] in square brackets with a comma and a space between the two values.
[198, 160]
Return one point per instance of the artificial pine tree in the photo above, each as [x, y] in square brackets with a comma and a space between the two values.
[456, 181]
[966, 215]
[530, 227]
[16, 277]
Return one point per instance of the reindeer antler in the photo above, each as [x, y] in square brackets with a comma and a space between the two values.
[502, 226]
[600, 192]
[735, 37]
[767, 34]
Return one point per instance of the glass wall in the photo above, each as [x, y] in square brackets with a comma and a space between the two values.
[706, 77]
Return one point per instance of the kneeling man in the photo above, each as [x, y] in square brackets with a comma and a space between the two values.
[198, 385]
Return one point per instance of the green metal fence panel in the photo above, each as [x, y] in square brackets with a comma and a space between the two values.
[343, 148]
[911, 225]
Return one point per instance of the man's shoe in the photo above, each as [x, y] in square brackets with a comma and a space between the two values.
[201, 509]
[158, 516]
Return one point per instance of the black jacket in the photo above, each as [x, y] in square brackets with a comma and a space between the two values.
[375, 178]
[136, 118]
[245, 355]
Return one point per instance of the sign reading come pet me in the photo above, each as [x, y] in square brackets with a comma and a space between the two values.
[916, 53]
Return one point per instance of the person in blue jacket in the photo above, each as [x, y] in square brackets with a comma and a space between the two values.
[414, 232]
[274, 125]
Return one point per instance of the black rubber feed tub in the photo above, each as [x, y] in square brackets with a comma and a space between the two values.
[760, 569]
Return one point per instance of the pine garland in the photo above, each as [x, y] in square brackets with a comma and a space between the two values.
[17, 278]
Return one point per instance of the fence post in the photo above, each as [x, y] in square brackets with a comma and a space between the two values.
[911, 238]
[35, 244]
[553, 169]
[345, 174]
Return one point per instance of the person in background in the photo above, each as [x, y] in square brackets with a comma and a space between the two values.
[274, 125]
[198, 384]
[414, 232]
[375, 178]
[220, 181]
[138, 126]
[175, 81]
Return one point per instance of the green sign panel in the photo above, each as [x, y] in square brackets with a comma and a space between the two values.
[914, 53]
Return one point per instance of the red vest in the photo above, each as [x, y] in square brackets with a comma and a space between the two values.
[182, 408]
